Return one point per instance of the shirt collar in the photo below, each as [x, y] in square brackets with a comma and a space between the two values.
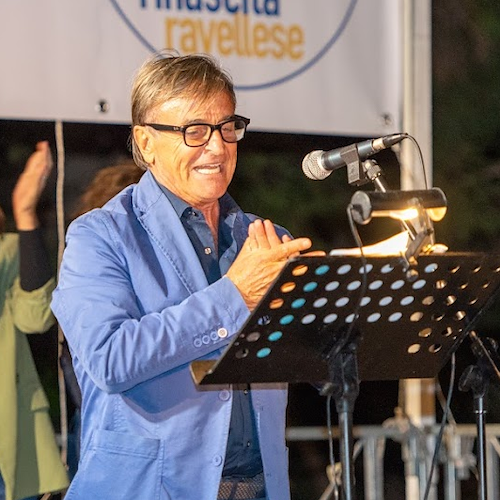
[226, 203]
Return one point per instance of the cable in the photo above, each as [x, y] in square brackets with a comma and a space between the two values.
[333, 479]
[441, 428]
[420, 157]
[364, 262]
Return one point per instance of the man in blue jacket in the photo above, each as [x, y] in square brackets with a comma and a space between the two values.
[164, 274]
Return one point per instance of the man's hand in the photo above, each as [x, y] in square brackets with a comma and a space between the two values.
[262, 258]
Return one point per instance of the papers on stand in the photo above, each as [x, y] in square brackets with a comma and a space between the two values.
[393, 246]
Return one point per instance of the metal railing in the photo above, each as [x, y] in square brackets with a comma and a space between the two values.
[457, 459]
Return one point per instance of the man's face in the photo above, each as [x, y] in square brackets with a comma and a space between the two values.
[198, 175]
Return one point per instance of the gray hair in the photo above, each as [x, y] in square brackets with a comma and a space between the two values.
[166, 75]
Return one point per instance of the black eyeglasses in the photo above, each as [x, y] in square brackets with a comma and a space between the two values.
[198, 134]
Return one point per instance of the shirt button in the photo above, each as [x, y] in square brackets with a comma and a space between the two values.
[217, 460]
[248, 444]
[245, 392]
[224, 395]
[222, 333]
[205, 339]
[197, 342]
[208, 250]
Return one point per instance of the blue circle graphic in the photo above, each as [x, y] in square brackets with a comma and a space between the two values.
[272, 83]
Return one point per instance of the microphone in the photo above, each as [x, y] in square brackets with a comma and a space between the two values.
[318, 165]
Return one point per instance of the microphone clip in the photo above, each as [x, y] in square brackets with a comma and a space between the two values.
[355, 171]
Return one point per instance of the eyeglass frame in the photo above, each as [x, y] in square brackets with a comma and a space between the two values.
[182, 128]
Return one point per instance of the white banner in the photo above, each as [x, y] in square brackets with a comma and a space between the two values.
[302, 66]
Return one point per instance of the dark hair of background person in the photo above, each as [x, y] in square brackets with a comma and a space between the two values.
[107, 182]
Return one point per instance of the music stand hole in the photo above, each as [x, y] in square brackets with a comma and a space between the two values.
[386, 269]
[373, 318]
[299, 270]
[350, 318]
[298, 303]
[308, 319]
[476, 269]
[333, 285]
[463, 286]
[406, 301]
[425, 332]
[447, 332]
[385, 301]
[485, 285]
[273, 337]
[418, 284]
[434, 348]
[253, 337]
[394, 317]
[288, 286]
[375, 285]
[416, 316]
[454, 269]
[330, 318]
[413, 349]
[437, 317]
[431, 268]
[286, 320]
[344, 269]
[264, 320]
[397, 285]
[322, 270]
[440, 284]
[354, 285]
[365, 269]
[343, 301]
[309, 287]
[322, 301]
[460, 315]
[242, 353]
[276, 303]
[473, 300]
[451, 299]
[262, 353]
[427, 301]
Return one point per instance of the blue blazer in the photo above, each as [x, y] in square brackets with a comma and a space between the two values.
[136, 308]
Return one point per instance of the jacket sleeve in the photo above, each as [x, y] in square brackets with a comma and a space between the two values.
[103, 302]
[31, 310]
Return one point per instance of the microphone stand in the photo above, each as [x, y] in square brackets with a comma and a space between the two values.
[476, 378]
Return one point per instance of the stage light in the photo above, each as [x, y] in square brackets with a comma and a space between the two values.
[401, 205]
[414, 209]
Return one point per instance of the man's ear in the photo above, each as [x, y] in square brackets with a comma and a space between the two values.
[145, 142]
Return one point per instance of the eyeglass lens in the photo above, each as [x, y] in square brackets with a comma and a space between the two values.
[231, 131]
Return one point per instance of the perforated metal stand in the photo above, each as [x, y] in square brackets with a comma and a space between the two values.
[409, 321]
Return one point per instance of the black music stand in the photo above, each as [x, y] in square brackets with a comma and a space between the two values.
[407, 326]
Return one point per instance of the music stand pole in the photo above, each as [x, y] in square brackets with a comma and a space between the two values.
[476, 378]
[344, 388]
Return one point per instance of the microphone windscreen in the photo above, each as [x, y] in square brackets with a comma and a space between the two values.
[311, 166]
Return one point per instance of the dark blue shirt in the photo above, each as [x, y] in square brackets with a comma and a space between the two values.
[243, 451]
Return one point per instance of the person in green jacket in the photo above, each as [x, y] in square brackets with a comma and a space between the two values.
[30, 462]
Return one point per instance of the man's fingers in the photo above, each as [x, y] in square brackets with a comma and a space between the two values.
[293, 247]
[272, 237]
